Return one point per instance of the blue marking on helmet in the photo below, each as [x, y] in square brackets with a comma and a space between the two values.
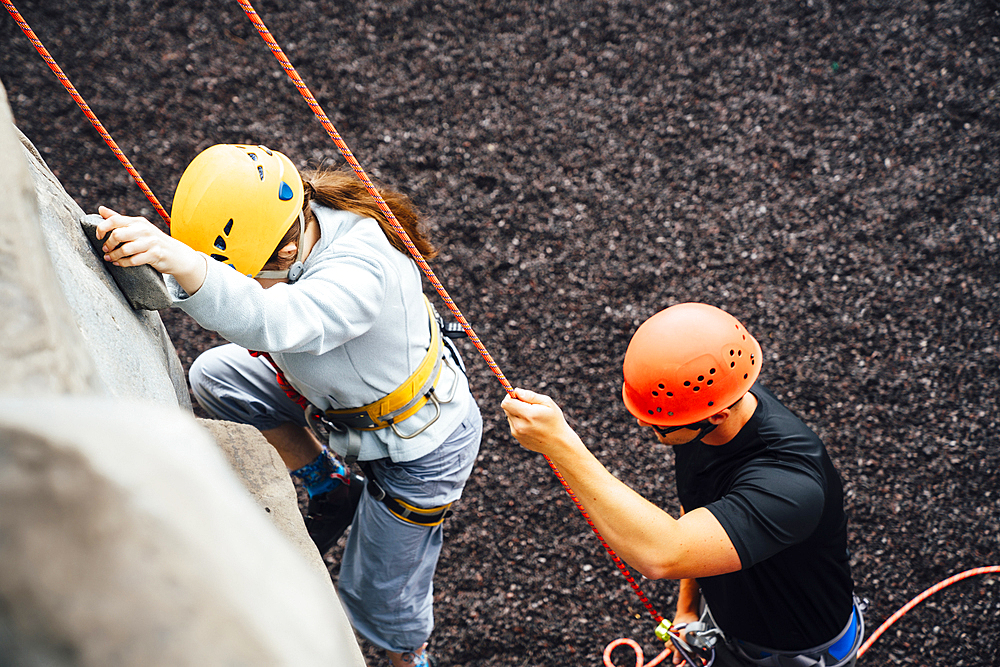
[285, 191]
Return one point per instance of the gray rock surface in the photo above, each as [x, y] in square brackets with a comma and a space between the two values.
[41, 349]
[126, 539]
[264, 475]
[129, 350]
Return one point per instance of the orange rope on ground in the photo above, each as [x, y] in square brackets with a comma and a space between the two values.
[422, 263]
[989, 569]
[639, 656]
[50, 61]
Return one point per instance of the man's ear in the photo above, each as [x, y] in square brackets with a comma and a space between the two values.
[720, 416]
[289, 251]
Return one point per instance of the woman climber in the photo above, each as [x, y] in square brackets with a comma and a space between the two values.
[325, 291]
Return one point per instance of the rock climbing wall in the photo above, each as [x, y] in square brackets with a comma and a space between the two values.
[130, 532]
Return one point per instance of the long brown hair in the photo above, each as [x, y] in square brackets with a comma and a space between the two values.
[342, 190]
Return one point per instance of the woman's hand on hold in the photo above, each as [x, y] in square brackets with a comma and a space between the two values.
[538, 423]
[135, 241]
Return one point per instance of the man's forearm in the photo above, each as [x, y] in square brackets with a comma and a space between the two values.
[688, 598]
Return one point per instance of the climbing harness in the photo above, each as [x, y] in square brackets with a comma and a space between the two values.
[399, 405]
[405, 400]
[838, 652]
[64, 80]
[418, 516]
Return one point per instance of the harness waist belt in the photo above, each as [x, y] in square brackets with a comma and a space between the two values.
[838, 651]
[406, 399]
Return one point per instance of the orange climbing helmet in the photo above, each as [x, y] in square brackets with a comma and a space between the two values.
[686, 363]
[235, 202]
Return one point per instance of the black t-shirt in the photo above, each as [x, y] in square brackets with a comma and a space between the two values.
[776, 493]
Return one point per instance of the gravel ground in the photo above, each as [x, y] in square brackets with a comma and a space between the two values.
[825, 171]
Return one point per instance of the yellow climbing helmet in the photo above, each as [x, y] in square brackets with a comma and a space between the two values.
[235, 202]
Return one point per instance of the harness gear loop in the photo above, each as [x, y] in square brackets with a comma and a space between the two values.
[407, 399]
[400, 404]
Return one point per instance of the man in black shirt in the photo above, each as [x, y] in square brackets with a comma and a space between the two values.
[760, 548]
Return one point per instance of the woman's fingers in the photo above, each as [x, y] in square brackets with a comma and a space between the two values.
[130, 253]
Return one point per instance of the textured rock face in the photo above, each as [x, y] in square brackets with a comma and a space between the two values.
[130, 534]
[263, 473]
[130, 350]
[125, 539]
[41, 349]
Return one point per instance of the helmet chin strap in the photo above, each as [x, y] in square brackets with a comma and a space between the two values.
[295, 271]
[705, 430]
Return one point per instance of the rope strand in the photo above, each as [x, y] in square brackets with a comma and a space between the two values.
[422, 263]
[989, 569]
[64, 80]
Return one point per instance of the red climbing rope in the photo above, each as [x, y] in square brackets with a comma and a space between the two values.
[390, 217]
[422, 263]
[989, 569]
[50, 61]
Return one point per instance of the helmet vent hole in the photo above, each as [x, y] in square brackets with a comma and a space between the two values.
[253, 156]
[670, 393]
[732, 364]
[220, 258]
[709, 383]
[661, 386]
[740, 353]
[656, 393]
[732, 352]
[649, 411]
[696, 389]
[687, 383]
[229, 227]
[220, 243]
[659, 409]
[711, 403]
[701, 378]
[711, 372]
[260, 172]
[670, 414]
[746, 375]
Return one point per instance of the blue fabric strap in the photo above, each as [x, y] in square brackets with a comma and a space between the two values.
[322, 474]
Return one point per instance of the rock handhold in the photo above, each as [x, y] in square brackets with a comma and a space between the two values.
[143, 286]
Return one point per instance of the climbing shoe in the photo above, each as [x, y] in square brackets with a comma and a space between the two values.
[329, 514]
[425, 660]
